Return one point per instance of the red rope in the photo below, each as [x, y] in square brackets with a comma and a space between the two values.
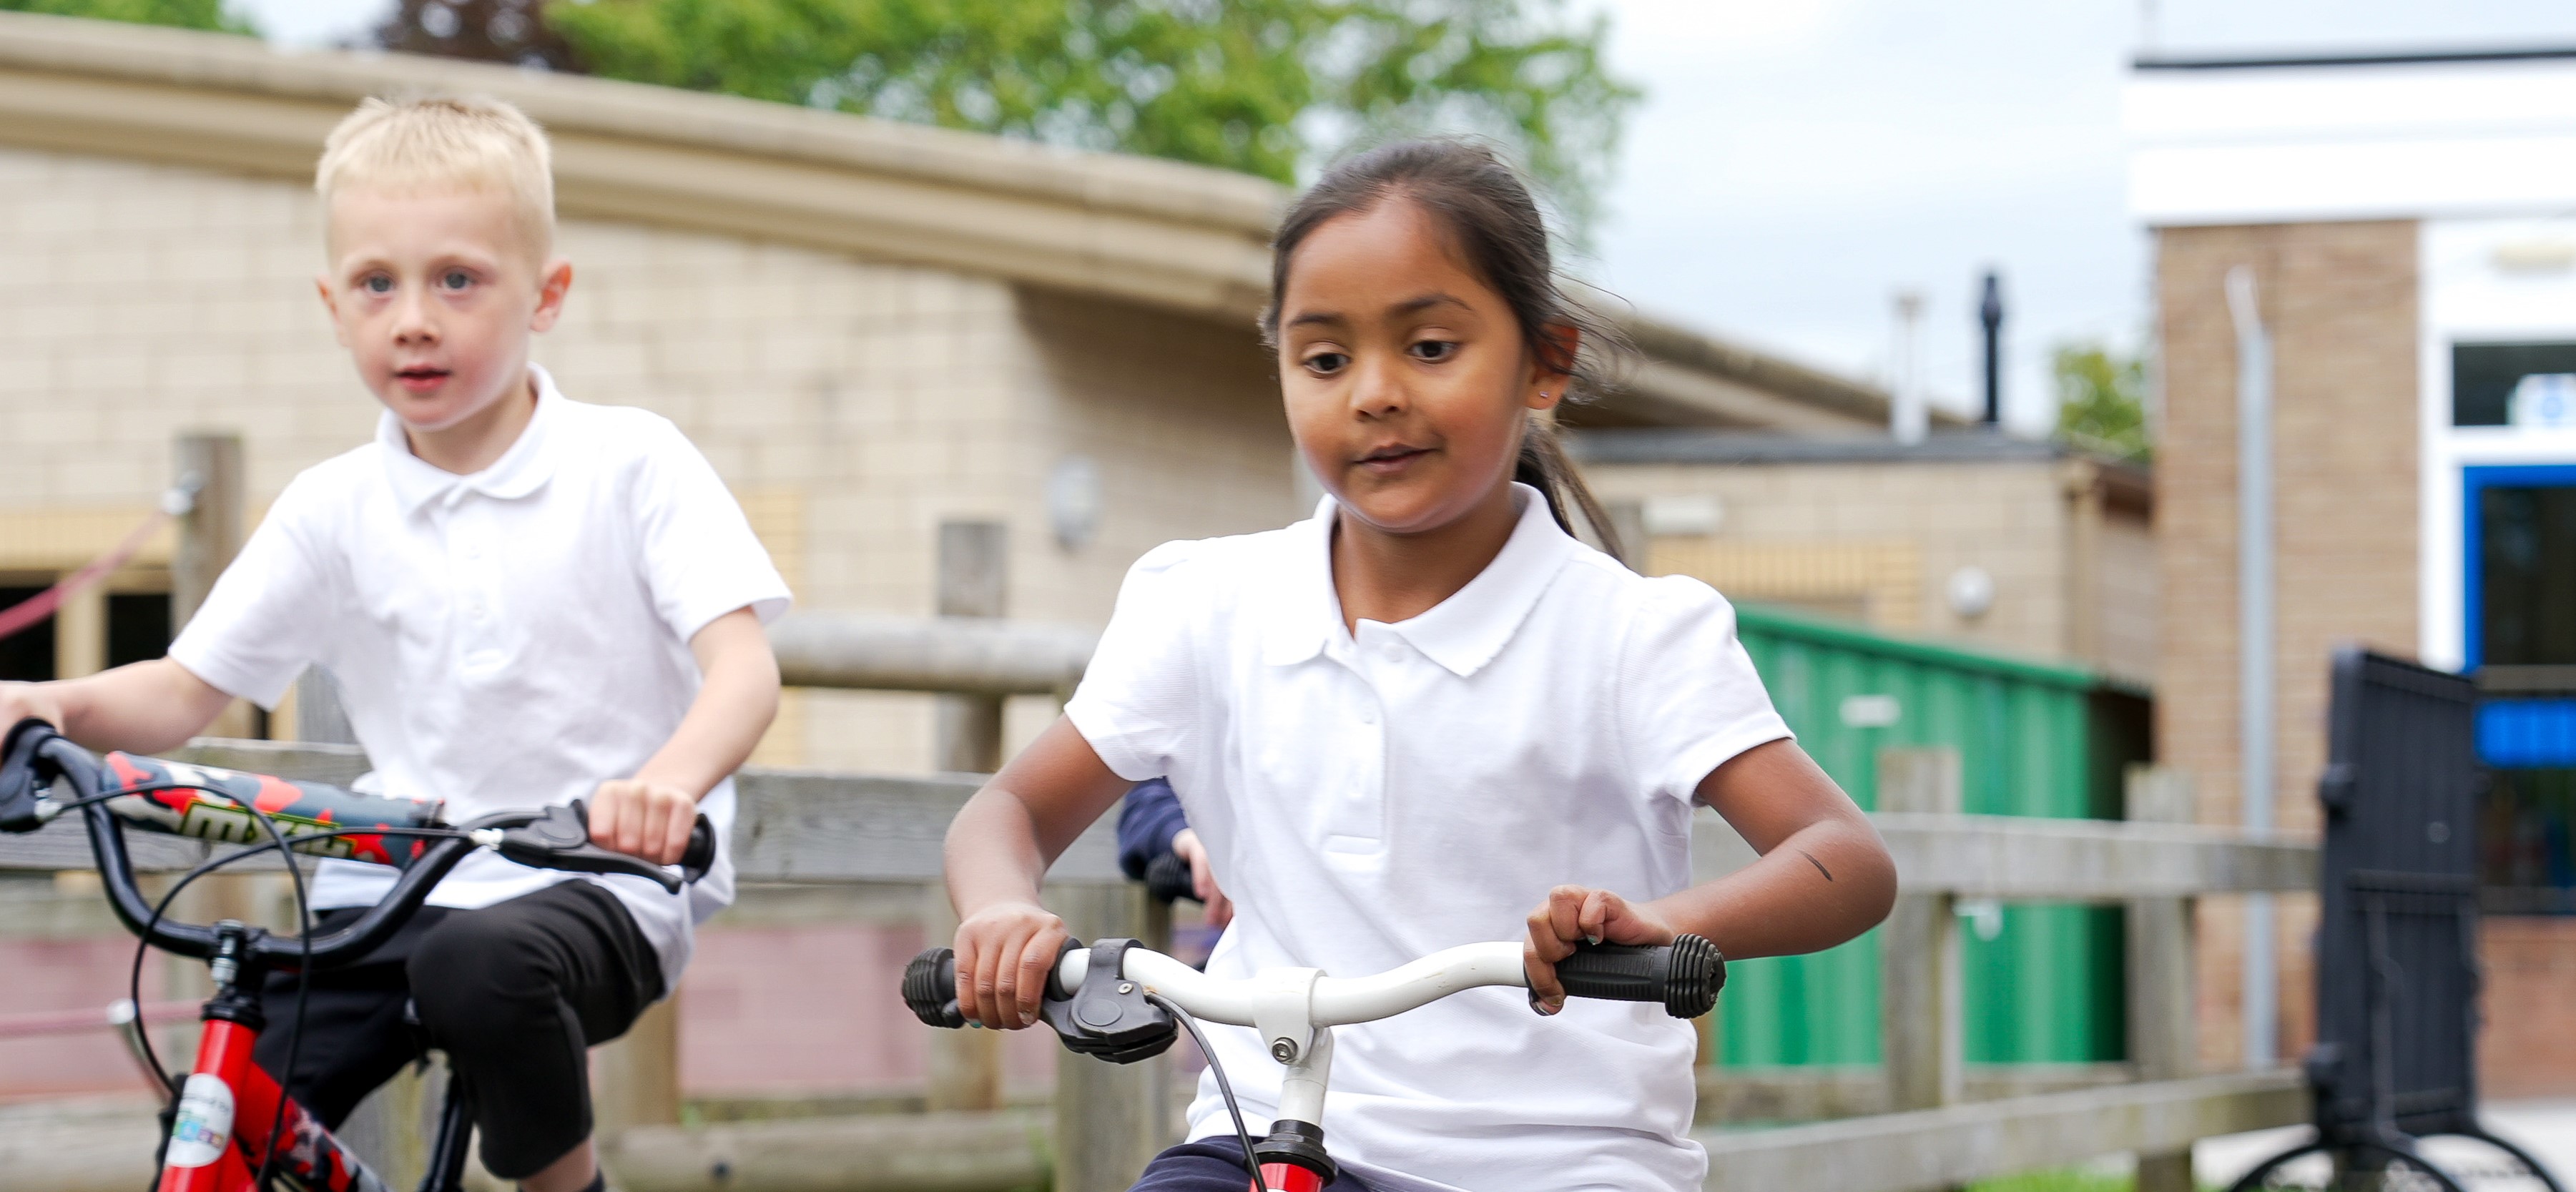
[34, 609]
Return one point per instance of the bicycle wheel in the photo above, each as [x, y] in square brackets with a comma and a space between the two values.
[2350, 1167]
[2484, 1163]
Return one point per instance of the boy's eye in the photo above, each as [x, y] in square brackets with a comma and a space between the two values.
[376, 283]
[456, 279]
[1327, 363]
[1433, 349]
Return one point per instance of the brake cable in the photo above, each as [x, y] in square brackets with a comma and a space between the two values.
[1242, 1135]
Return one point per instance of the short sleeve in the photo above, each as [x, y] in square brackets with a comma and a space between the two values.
[257, 629]
[1689, 699]
[1139, 700]
[700, 558]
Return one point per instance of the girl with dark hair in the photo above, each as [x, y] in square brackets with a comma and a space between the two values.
[1429, 716]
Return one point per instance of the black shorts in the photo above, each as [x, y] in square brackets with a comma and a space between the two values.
[515, 993]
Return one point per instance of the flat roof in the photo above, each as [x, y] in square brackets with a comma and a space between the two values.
[2384, 58]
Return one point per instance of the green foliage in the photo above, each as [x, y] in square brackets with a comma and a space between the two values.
[2101, 401]
[1268, 87]
[2063, 1180]
[186, 14]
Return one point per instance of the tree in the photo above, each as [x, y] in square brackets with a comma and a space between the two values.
[2101, 401]
[483, 30]
[185, 14]
[1269, 87]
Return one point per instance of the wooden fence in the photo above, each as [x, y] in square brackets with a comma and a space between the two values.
[1105, 1120]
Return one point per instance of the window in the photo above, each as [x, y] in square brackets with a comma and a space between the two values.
[2527, 575]
[138, 626]
[29, 653]
[2485, 376]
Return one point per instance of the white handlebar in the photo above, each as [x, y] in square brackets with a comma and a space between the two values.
[1336, 1001]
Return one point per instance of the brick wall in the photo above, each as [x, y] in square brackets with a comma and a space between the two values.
[2009, 517]
[2340, 300]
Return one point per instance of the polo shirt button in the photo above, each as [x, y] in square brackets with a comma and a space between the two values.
[1393, 652]
[1368, 715]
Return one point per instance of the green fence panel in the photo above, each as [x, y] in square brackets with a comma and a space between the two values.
[2041, 981]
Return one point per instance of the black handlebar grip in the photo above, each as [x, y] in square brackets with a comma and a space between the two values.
[1167, 879]
[1685, 976]
[700, 856]
[930, 988]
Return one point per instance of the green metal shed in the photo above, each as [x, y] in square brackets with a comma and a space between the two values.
[2042, 981]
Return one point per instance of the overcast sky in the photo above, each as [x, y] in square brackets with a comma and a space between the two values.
[1796, 163]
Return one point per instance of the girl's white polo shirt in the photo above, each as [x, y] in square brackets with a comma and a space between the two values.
[502, 640]
[1371, 797]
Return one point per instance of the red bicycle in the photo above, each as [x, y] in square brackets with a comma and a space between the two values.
[1118, 1001]
[229, 1127]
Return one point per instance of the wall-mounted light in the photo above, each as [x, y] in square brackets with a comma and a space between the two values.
[1971, 592]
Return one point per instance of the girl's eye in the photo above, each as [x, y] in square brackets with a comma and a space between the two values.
[1433, 349]
[1326, 363]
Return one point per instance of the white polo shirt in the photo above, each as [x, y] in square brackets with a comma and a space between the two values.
[502, 640]
[1370, 798]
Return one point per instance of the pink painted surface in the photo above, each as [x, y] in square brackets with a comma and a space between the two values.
[815, 1009]
[69, 974]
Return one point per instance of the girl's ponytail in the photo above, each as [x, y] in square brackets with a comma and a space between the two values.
[1500, 233]
[1544, 466]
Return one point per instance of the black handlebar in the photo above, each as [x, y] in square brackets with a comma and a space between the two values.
[1168, 880]
[552, 837]
[1684, 975]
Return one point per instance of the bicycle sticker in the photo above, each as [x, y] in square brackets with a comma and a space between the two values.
[204, 1122]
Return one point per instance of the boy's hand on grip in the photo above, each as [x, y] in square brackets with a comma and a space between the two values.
[643, 819]
[1005, 953]
[1575, 915]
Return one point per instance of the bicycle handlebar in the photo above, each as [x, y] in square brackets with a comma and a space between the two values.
[550, 837]
[1684, 976]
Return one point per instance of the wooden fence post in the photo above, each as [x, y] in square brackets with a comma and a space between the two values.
[2162, 1043]
[1919, 998]
[973, 578]
[1110, 1119]
[209, 465]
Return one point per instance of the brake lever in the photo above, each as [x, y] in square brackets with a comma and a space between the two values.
[559, 838]
[20, 808]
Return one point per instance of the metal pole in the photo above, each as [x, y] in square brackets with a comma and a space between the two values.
[2254, 642]
[1907, 420]
[1990, 313]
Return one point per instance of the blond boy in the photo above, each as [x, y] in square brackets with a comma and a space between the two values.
[525, 600]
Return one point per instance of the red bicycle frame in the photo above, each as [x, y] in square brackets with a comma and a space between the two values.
[219, 1135]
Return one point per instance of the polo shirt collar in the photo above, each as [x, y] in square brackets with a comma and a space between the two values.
[1462, 633]
[521, 470]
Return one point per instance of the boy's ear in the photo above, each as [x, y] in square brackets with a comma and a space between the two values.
[1552, 366]
[551, 288]
[330, 307]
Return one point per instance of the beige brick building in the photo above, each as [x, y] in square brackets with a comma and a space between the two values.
[2403, 223]
[1903, 538]
[871, 329]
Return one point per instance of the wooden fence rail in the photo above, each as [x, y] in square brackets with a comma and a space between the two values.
[809, 827]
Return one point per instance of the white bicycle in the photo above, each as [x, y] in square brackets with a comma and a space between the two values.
[1121, 1002]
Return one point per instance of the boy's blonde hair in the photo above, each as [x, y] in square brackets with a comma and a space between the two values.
[426, 144]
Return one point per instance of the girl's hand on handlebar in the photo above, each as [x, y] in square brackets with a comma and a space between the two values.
[1005, 953]
[643, 819]
[1576, 915]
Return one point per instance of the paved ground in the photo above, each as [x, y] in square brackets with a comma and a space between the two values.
[2545, 1128]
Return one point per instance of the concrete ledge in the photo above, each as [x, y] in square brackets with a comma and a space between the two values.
[1906, 1152]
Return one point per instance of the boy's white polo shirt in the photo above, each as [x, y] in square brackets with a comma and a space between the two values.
[1371, 797]
[502, 640]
